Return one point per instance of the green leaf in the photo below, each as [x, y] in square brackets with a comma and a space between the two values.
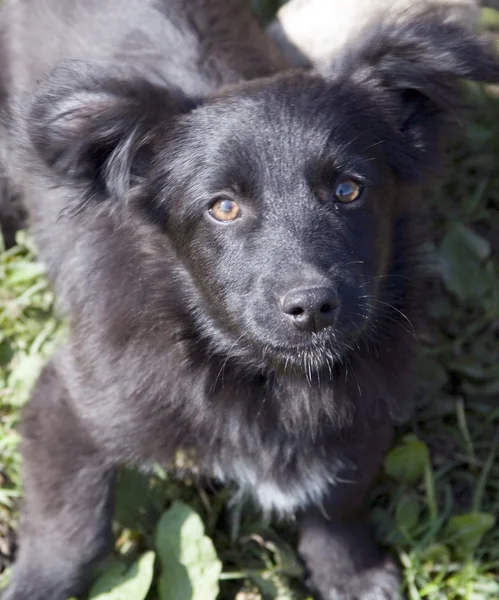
[6, 353]
[270, 587]
[120, 583]
[190, 568]
[406, 463]
[286, 560]
[465, 532]
[23, 377]
[436, 554]
[489, 17]
[433, 375]
[137, 504]
[463, 253]
[407, 512]
[25, 271]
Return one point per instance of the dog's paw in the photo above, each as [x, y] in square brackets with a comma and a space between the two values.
[380, 583]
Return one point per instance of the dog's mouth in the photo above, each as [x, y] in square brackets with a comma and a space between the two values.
[322, 350]
[313, 351]
[271, 344]
[300, 362]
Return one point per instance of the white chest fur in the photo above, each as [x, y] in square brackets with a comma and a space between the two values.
[282, 492]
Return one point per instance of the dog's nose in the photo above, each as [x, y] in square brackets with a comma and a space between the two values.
[310, 309]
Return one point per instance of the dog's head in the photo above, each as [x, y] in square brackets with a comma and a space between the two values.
[286, 198]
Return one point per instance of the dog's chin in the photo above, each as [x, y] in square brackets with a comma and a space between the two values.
[286, 352]
[320, 352]
[309, 352]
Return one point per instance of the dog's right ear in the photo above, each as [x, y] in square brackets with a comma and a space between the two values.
[412, 66]
[96, 128]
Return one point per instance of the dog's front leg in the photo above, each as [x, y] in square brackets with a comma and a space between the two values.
[335, 540]
[343, 560]
[66, 516]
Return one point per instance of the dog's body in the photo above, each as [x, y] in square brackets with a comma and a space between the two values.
[274, 345]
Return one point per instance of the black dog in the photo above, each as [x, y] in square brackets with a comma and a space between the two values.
[236, 264]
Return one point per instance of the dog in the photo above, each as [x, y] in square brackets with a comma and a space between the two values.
[235, 246]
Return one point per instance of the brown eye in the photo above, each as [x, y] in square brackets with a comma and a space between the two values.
[347, 191]
[225, 210]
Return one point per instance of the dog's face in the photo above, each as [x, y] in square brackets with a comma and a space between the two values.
[280, 197]
[280, 201]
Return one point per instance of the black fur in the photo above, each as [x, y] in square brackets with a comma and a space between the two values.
[178, 337]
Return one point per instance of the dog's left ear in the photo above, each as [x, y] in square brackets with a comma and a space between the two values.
[94, 128]
[413, 67]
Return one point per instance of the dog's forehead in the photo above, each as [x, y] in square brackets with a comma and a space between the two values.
[283, 105]
[285, 125]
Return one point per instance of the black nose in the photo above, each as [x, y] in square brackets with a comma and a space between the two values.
[310, 309]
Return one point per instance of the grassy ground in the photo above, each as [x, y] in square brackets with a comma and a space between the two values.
[436, 501]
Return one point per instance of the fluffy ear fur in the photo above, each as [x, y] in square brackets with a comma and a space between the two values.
[413, 66]
[96, 127]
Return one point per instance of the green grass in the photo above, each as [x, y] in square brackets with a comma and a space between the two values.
[435, 503]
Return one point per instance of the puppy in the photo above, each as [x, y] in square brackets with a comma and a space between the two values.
[234, 246]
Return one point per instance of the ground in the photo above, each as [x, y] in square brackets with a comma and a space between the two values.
[436, 501]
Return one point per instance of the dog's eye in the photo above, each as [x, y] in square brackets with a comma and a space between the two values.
[225, 210]
[347, 190]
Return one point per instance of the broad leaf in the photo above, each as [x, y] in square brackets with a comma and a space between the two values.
[462, 267]
[120, 583]
[406, 463]
[407, 512]
[465, 532]
[190, 568]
